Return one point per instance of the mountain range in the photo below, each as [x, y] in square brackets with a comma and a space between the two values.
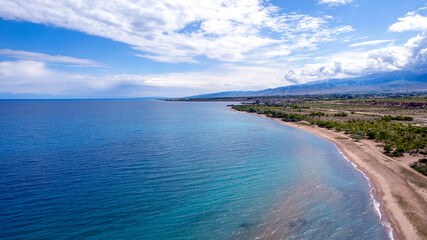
[397, 81]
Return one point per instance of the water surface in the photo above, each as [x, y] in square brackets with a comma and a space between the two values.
[127, 169]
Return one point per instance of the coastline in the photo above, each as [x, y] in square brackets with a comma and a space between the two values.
[385, 176]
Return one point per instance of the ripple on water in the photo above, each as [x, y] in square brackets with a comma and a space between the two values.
[171, 170]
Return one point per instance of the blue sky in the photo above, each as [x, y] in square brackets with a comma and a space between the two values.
[124, 48]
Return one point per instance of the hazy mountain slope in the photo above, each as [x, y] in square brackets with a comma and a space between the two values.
[382, 82]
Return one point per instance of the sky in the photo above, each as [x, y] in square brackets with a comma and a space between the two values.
[169, 48]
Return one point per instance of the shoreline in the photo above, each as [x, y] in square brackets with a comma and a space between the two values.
[382, 175]
[385, 219]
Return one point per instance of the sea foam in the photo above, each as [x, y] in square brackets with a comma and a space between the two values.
[376, 205]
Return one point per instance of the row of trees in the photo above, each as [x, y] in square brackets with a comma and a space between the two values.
[400, 118]
[397, 138]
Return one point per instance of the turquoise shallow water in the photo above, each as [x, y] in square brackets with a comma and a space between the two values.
[128, 169]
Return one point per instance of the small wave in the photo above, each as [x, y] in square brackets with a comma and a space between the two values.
[376, 205]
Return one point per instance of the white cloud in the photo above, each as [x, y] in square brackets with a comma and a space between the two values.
[410, 56]
[31, 77]
[180, 31]
[335, 2]
[41, 57]
[413, 21]
[373, 42]
[410, 22]
[230, 31]
[25, 69]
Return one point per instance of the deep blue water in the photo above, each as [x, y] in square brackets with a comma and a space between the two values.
[127, 169]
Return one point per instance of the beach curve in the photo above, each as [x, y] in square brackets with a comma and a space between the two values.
[386, 186]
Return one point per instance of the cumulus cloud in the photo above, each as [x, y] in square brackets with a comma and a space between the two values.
[413, 21]
[41, 57]
[32, 77]
[410, 22]
[181, 31]
[230, 31]
[410, 56]
[335, 2]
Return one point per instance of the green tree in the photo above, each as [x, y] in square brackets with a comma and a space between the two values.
[387, 148]
[371, 134]
[358, 136]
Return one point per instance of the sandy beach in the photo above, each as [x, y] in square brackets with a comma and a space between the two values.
[401, 191]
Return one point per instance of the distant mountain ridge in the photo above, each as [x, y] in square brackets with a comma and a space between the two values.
[397, 81]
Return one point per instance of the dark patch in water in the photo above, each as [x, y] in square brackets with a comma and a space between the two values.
[297, 223]
[244, 225]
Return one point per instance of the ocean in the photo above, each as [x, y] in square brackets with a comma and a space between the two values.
[133, 169]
